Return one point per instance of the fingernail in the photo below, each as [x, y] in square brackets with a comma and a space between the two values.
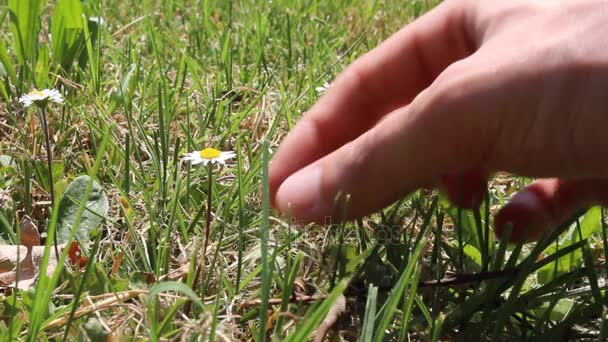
[300, 195]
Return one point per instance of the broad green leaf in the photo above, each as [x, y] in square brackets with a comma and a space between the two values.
[177, 287]
[590, 225]
[7, 63]
[473, 253]
[41, 173]
[25, 24]
[345, 257]
[67, 32]
[559, 311]
[43, 67]
[6, 160]
[119, 95]
[95, 331]
[94, 213]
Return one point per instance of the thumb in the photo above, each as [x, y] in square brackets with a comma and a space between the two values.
[539, 208]
[438, 132]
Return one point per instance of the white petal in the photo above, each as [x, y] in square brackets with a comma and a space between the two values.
[25, 100]
[98, 20]
[54, 95]
[192, 155]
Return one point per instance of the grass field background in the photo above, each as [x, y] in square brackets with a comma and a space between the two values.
[144, 83]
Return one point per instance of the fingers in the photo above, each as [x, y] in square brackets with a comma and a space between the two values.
[386, 78]
[440, 130]
[543, 205]
[466, 189]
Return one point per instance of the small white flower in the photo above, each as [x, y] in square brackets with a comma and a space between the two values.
[323, 88]
[98, 20]
[41, 98]
[209, 155]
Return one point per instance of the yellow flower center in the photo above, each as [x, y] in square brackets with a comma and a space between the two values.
[209, 153]
[36, 92]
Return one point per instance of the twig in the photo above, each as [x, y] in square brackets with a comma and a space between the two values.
[457, 279]
[465, 278]
[133, 22]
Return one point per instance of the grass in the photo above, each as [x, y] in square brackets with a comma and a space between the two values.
[160, 78]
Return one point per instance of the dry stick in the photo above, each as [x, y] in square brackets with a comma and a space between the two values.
[458, 279]
[466, 278]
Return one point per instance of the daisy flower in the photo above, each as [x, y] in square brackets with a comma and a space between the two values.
[322, 89]
[209, 155]
[41, 98]
[97, 20]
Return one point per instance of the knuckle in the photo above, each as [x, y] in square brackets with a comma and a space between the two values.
[355, 157]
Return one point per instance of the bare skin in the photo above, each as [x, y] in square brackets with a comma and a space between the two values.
[471, 87]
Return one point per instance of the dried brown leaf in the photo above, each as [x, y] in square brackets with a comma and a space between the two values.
[8, 257]
[29, 232]
[26, 274]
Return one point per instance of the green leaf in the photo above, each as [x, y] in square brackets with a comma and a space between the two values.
[367, 331]
[590, 225]
[99, 282]
[345, 257]
[43, 67]
[177, 287]
[41, 173]
[25, 25]
[120, 94]
[317, 313]
[7, 63]
[168, 286]
[95, 331]
[6, 160]
[467, 226]
[94, 213]
[473, 253]
[315, 316]
[67, 32]
[559, 310]
[386, 314]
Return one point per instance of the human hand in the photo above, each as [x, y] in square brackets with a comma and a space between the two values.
[471, 88]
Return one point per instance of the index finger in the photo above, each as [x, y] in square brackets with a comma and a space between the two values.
[384, 79]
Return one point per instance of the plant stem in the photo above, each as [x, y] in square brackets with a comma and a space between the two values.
[49, 160]
[199, 276]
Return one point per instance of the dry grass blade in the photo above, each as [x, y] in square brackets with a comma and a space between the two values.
[100, 305]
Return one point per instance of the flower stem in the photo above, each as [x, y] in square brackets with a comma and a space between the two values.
[199, 276]
[49, 160]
